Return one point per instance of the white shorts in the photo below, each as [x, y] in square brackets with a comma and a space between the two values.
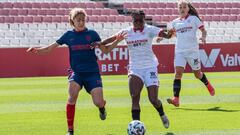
[192, 58]
[149, 76]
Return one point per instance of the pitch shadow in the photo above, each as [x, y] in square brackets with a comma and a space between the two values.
[169, 133]
[217, 109]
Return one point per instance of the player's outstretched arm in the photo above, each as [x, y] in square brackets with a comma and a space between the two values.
[106, 48]
[108, 40]
[102, 44]
[42, 50]
[166, 34]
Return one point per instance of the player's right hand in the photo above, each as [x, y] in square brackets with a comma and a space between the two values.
[32, 50]
[203, 39]
[121, 36]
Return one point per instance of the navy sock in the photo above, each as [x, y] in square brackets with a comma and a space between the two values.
[160, 110]
[136, 114]
[102, 110]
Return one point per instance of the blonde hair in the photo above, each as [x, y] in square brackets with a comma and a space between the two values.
[74, 12]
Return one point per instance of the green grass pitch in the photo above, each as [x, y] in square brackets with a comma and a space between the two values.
[36, 106]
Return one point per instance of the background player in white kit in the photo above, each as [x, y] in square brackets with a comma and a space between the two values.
[142, 62]
[186, 47]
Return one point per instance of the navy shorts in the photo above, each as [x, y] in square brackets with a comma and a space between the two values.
[88, 80]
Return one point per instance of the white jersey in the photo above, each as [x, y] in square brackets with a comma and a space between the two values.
[186, 33]
[140, 47]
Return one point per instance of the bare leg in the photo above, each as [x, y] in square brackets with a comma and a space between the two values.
[135, 87]
[153, 97]
[202, 77]
[98, 100]
[176, 86]
[73, 92]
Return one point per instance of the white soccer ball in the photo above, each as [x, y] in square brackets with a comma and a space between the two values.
[136, 127]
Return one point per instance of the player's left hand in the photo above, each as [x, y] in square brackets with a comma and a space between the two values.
[203, 39]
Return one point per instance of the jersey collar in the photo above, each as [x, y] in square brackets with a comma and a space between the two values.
[81, 30]
[141, 30]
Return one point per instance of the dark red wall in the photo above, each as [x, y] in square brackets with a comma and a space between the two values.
[15, 62]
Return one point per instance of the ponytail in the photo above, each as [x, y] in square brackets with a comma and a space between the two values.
[193, 11]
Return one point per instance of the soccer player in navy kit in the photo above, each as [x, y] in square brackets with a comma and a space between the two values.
[83, 62]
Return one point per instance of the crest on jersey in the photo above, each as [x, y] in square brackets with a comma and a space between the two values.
[88, 38]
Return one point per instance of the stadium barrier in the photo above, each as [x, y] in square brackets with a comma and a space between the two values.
[15, 62]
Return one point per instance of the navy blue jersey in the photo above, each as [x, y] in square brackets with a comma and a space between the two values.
[82, 57]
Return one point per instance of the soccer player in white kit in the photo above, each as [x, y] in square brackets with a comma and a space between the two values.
[186, 47]
[142, 62]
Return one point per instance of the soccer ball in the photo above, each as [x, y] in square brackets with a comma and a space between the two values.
[136, 127]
